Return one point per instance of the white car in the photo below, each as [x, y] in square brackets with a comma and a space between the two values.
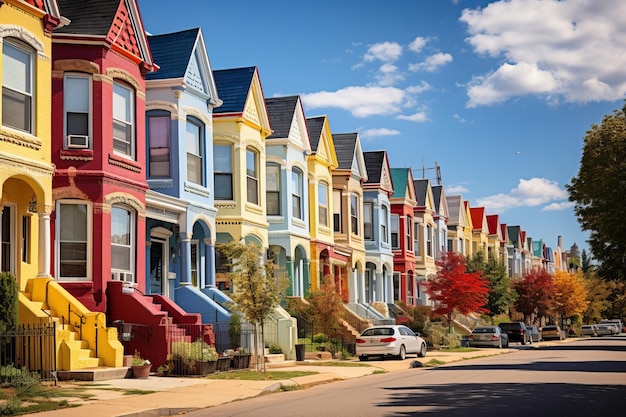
[389, 340]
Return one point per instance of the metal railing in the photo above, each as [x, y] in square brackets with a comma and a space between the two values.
[32, 347]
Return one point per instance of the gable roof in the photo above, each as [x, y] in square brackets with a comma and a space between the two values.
[233, 86]
[515, 235]
[440, 201]
[281, 111]
[314, 126]
[505, 232]
[378, 171]
[182, 55]
[117, 22]
[422, 186]
[493, 224]
[456, 210]
[350, 154]
[478, 218]
[322, 143]
[403, 187]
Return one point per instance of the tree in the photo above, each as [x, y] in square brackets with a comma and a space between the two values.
[501, 295]
[598, 194]
[454, 289]
[569, 295]
[8, 301]
[598, 298]
[534, 292]
[257, 290]
[585, 263]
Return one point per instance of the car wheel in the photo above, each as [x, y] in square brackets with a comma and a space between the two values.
[402, 355]
[523, 341]
[363, 358]
[422, 351]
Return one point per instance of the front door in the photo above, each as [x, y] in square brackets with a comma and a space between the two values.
[158, 257]
[7, 230]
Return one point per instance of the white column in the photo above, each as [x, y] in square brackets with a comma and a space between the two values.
[361, 280]
[355, 288]
[44, 245]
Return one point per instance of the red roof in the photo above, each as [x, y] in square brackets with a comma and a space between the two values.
[477, 214]
[492, 224]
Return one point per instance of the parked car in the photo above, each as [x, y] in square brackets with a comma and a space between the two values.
[488, 336]
[588, 330]
[552, 332]
[517, 332]
[389, 340]
[605, 329]
[617, 322]
[535, 334]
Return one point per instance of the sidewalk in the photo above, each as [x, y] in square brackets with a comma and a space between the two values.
[176, 394]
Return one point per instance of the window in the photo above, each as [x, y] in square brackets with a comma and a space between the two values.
[252, 176]
[354, 213]
[26, 239]
[322, 197]
[429, 240]
[194, 152]
[73, 243]
[296, 193]
[409, 232]
[272, 189]
[395, 220]
[122, 239]
[368, 214]
[159, 144]
[76, 105]
[337, 224]
[195, 261]
[17, 86]
[383, 224]
[223, 171]
[416, 240]
[123, 120]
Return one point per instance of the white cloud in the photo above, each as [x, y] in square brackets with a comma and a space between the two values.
[418, 89]
[419, 117]
[417, 44]
[458, 118]
[360, 101]
[558, 50]
[456, 189]
[558, 206]
[384, 51]
[388, 75]
[432, 63]
[528, 193]
[374, 133]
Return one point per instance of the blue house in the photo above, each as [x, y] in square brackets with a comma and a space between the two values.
[180, 211]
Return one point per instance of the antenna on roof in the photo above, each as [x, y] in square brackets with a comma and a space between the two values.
[437, 170]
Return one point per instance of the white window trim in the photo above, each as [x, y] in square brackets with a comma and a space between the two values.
[57, 243]
[132, 122]
[133, 241]
[89, 110]
[33, 56]
[298, 193]
[201, 129]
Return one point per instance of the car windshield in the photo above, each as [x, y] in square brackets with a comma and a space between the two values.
[378, 331]
[549, 328]
[509, 326]
[484, 330]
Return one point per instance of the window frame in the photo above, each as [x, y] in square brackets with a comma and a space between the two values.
[67, 92]
[384, 224]
[354, 214]
[272, 195]
[297, 193]
[368, 209]
[416, 239]
[163, 151]
[197, 146]
[252, 181]
[322, 191]
[130, 125]
[395, 231]
[223, 174]
[59, 241]
[131, 246]
[429, 240]
[337, 209]
[13, 93]
[409, 233]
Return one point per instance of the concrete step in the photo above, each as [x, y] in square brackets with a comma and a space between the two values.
[274, 357]
[95, 374]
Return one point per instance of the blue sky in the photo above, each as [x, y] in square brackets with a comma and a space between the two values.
[499, 94]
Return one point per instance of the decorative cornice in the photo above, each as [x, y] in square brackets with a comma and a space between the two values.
[124, 163]
[127, 199]
[21, 139]
[79, 65]
[76, 155]
[126, 76]
[163, 105]
[22, 34]
[192, 111]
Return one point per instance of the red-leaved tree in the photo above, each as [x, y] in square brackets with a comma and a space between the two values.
[455, 290]
[534, 294]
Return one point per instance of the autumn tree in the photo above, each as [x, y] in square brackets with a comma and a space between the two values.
[454, 289]
[598, 298]
[569, 295]
[501, 295]
[322, 308]
[598, 194]
[257, 289]
[534, 292]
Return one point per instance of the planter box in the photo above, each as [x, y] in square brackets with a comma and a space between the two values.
[223, 363]
[241, 361]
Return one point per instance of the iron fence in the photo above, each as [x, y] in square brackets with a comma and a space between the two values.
[31, 347]
[330, 343]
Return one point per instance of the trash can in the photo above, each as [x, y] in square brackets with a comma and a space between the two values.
[300, 349]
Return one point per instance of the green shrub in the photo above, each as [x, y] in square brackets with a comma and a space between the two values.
[8, 300]
[275, 348]
[194, 351]
[319, 338]
[17, 376]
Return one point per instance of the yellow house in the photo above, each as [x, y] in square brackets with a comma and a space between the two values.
[347, 194]
[480, 230]
[459, 226]
[25, 137]
[320, 163]
[424, 246]
[240, 127]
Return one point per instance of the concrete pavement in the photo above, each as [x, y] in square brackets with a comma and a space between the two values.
[176, 394]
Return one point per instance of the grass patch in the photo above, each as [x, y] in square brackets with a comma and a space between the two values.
[37, 398]
[434, 362]
[260, 376]
[289, 387]
[379, 371]
[460, 349]
[137, 392]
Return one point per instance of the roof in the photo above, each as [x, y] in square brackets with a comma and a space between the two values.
[88, 17]
[400, 178]
[421, 189]
[280, 111]
[172, 52]
[454, 208]
[374, 163]
[492, 223]
[233, 86]
[345, 146]
[478, 215]
[314, 126]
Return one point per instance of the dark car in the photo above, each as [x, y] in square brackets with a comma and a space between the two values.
[517, 332]
[488, 336]
[535, 334]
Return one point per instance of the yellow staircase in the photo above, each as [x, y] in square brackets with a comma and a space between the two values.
[82, 339]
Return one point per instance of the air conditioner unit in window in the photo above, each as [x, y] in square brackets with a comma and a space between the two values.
[122, 276]
[78, 141]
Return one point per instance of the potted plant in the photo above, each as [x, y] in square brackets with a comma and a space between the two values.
[194, 358]
[241, 360]
[140, 366]
[223, 362]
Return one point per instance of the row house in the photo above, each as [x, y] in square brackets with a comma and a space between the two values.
[440, 217]
[287, 198]
[403, 202]
[495, 239]
[459, 226]
[426, 235]
[480, 230]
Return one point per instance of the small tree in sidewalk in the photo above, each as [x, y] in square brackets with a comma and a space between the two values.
[257, 289]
